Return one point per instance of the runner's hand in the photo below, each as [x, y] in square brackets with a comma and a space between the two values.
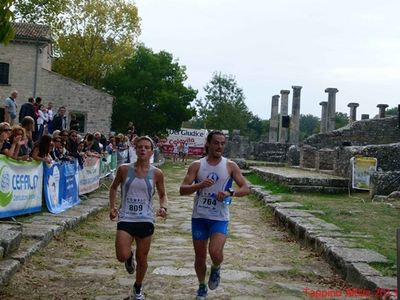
[207, 183]
[113, 213]
[221, 195]
[161, 212]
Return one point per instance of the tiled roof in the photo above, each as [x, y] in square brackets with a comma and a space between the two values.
[29, 31]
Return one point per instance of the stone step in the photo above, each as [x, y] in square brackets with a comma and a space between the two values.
[318, 189]
[10, 238]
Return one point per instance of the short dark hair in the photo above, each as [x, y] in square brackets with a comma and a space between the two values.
[212, 133]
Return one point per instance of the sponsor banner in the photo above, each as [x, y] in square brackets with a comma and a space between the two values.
[89, 175]
[196, 139]
[61, 181]
[108, 164]
[21, 184]
[363, 167]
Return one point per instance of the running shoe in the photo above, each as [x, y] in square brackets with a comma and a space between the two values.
[202, 293]
[214, 279]
[139, 296]
[130, 264]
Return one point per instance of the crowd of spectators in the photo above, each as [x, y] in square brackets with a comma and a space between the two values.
[41, 135]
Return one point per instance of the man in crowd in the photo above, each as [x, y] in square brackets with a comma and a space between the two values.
[27, 109]
[211, 178]
[60, 120]
[10, 108]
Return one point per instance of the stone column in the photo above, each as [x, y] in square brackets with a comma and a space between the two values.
[283, 131]
[364, 116]
[274, 121]
[324, 116]
[331, 121]
[295, 119]
[382, 110]
[353, 111]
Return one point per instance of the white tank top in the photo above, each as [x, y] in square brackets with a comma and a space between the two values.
[137, 197]
[205, 203]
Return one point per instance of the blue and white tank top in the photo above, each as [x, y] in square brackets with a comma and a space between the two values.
[137, 197]
[205, 203]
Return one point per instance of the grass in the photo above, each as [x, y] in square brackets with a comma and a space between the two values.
[354, 213]
[269, 185]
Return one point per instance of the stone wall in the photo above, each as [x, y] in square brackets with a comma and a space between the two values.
[359, 133]
[78, 97]
[384, 183]
[388, 157]
[95, 105]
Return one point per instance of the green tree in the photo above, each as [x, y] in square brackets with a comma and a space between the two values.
[393, 111]
[91, 37]
[6, 16]
[149, 90]
[341, 120]
[309, 125]
[257, 127]
[223, 106]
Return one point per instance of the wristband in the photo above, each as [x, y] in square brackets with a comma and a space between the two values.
[164, 208]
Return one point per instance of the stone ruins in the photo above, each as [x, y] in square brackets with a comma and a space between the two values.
[332, 149]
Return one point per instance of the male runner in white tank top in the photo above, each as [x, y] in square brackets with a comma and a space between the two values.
[211, 178]
[136, 213]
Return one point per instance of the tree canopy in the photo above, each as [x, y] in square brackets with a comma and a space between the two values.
[223, 106]
[6, 16]
[91, 37]
[149, 90]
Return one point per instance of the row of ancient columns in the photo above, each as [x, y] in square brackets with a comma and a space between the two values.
[278, 131]
[277, 126]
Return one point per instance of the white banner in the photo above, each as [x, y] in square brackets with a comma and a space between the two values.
[89, 176]
[195, 138]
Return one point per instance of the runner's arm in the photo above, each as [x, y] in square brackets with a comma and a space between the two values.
[237, 176]
[113, 192]
[188, 187]
[162, 195]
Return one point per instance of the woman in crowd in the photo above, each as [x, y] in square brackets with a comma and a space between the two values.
[41, 121]
[41, 149]
[5, 145]
[28, 124]
[20, 142]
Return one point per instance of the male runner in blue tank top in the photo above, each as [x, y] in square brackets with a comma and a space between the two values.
[211, 178]
[136, 213]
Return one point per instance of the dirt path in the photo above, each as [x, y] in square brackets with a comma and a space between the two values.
[261, 260]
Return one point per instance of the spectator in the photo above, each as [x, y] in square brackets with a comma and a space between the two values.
[50, 117]
[59, 153]
[91, 146]
[60, 120]
[5, 145]
[41, 121]
[28, 124]
[20, 143]
[27, 109]
[10, 108]
[41, 149]
[74, 123]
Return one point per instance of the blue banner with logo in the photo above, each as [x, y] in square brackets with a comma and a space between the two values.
[21, 185]
[61, 186]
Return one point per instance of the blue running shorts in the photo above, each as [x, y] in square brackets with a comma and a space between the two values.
[202, 229]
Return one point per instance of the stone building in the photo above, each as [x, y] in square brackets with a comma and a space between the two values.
[25, 65]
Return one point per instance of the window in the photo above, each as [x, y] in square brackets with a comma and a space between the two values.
[4, 72]
[77, 121]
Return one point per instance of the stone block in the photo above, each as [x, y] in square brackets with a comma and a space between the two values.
[7, 268]
[10, 238]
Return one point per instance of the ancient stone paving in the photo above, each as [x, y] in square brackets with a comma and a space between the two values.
[261, 260]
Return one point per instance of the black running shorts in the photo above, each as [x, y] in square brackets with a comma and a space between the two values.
[139, 229]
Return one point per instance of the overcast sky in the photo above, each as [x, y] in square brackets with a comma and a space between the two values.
[352, 45]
